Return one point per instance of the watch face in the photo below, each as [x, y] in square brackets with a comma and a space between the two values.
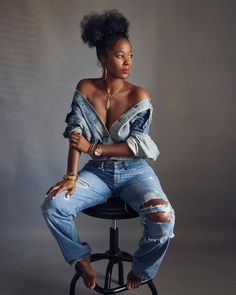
[98, 152]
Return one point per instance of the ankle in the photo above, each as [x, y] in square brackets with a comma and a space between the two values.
[83, 264]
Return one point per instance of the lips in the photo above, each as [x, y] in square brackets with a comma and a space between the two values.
[125, 71]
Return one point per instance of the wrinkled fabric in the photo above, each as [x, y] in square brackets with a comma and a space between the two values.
[129, 178]
[131, 127]
[136, 183]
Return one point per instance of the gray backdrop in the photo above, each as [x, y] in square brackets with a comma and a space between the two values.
[184, 55]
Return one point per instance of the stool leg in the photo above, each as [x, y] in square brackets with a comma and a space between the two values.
[152, 288]
[73, 283]
[107, 283]
[120, 271]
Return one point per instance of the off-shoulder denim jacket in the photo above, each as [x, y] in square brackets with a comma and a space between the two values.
[131, 127]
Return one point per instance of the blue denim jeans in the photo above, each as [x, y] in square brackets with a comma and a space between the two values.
[136, 183]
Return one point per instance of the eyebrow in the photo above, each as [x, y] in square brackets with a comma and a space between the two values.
[122, 51]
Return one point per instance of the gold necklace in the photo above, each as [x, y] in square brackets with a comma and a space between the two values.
[109, 95]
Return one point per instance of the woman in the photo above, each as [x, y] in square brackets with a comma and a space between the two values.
[109, 120]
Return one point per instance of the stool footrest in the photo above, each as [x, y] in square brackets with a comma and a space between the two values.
[122, 255]
[116, 290]
[114, 256]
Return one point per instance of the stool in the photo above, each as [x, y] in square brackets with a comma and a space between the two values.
[113, 209]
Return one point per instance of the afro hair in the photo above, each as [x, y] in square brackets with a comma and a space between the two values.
[104, 30]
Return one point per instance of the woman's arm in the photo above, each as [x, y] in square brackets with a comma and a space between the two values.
[66, 185]
[73, 160]
[80, 143]
[117, 150]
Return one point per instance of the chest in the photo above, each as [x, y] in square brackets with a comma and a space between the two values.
[118, 106]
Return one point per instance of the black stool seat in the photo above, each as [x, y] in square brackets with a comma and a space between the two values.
[114, 208]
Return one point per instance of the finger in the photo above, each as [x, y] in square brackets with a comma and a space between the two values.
[70, 193]
[74, 140]
[60, 190]
[75, 135]
[54, 190]
[49, 192]
[74, 132]
[73, 190]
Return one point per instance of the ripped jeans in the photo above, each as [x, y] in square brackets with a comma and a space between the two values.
[136, 183]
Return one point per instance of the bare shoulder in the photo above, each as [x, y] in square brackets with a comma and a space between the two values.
[85, 86]
[138, 94]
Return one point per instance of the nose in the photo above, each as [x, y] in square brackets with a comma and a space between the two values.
[127, 61]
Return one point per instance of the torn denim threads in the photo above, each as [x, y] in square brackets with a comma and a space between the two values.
[158, 230]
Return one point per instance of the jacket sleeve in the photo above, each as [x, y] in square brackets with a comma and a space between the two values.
[74, 119]
[139, 141]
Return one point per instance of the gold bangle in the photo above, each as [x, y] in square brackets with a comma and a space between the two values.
[71, 173]
[70, 177]
[92, 148]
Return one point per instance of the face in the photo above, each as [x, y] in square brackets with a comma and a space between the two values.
[118, 60]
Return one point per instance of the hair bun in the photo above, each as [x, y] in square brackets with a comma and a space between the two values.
[91, 29]
[96, 28]
[115, 23]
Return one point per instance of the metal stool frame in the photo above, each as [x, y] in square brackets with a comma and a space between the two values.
[114, 256]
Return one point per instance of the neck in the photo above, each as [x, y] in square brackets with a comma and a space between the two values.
[112, 84]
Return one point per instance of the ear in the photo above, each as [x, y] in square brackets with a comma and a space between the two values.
[103, 59]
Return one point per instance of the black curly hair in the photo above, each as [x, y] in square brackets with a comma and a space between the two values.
[104, 30]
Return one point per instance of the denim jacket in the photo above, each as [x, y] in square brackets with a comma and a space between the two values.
[131, 127]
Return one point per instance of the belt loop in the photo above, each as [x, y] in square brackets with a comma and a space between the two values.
[126, 165]
[102, 166]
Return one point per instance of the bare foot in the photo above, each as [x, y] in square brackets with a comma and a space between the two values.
[133, 281]
[87, 273]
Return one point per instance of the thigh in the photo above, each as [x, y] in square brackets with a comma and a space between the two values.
[143, 186]
[90, 191]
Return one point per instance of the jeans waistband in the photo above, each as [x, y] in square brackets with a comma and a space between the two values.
[134, 163]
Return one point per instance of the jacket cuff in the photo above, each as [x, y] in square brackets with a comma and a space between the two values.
[143, 146]
[68, 131]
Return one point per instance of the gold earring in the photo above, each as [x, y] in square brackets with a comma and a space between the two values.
[104, 76]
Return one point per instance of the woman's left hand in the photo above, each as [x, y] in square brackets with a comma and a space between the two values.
[79, 142]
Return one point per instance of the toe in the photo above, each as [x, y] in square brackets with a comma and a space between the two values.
[128, 286]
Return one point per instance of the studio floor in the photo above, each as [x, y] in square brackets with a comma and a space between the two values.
[198, 262]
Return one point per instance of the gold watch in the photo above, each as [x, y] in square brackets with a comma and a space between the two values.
[98, 151]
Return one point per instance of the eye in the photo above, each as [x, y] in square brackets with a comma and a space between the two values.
[119, 55]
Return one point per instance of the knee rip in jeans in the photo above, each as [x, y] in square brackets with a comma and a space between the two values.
[160, 213]
[157, 210]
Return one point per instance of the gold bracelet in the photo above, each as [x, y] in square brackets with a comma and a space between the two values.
[71, 173]
[73, 177]
[92, 148]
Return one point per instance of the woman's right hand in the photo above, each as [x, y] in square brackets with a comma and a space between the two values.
[63, 185]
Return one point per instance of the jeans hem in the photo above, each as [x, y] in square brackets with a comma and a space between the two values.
[79, 259]
[142, 277]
